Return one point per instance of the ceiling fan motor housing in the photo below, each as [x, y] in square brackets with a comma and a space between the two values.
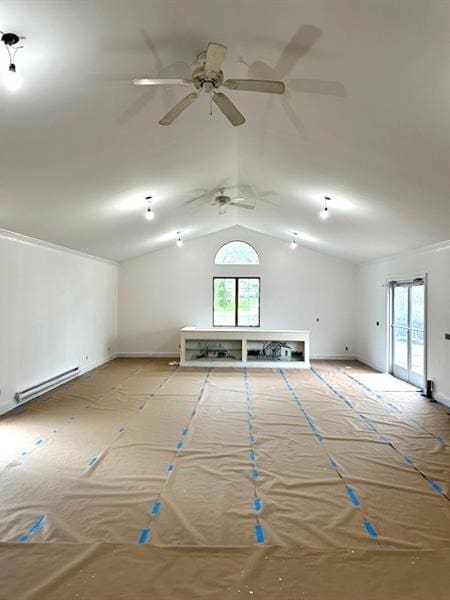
[207, 80]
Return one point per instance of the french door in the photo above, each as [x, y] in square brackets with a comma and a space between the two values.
[408, 331]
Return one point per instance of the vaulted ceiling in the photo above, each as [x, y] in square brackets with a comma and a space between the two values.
[365, 120]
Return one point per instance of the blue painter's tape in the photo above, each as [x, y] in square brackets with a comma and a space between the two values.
[39, 441]
[170, 468]
[408, 461]
[38, 525]
[259, 534]
[24, 539]
[251, 439]
[179, 445]
[255, 474]
[333, 463]
[144, 536]
[440, 440]
[92, 461]
[385, 439]
[353, 497]
[184, 432]
[436, 487]
[250, 427]
[252, 456]
[318, 437]
[193, 412]
[257, 504]
[156, 508]
[369, 527]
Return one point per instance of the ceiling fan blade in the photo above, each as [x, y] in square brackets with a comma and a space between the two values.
[255, 85]
[242, 205]
[161, 81]
[178, 109]
[215, 55]
[228, 108]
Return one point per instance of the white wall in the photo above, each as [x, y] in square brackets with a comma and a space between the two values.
[165, 290]
[372, 299]
[58, 310]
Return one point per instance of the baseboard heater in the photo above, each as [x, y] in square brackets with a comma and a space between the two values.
[45, 386]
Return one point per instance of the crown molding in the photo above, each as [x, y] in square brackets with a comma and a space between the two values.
[437, 247]
[25, 239]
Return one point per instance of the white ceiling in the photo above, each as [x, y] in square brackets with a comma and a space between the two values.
[81, 146]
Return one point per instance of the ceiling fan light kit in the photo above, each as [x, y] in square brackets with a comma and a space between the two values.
[223, 201]
[149, 214]
[208, 78]
[325, 213]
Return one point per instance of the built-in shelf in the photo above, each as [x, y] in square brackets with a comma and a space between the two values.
[249, 347]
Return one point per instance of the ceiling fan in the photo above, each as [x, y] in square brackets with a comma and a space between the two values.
[222, 201]
[208, 77]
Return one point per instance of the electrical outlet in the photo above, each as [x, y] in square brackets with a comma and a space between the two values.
[346, 348]
[378, 323]
[447, 336]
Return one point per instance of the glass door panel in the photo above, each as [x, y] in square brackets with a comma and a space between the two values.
[408, 332]
[400, 352]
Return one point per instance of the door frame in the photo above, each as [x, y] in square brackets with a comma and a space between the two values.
[404, 278]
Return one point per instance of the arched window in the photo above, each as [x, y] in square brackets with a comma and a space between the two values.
[237, 253]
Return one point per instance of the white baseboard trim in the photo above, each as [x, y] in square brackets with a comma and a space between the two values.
[5, 408]
[12, 404]
[442, 399]
[332, 357]
[97, 363]
[148, 354]
[370, 364]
